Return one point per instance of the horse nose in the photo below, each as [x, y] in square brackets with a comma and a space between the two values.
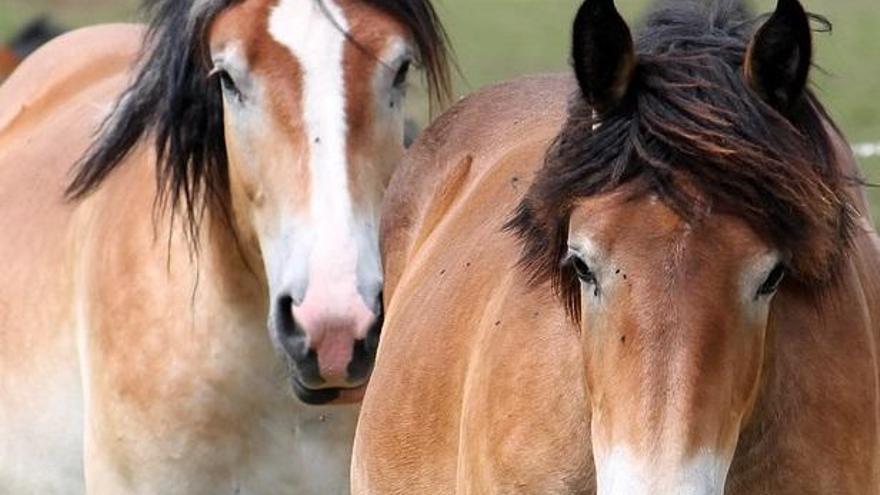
[330, 347]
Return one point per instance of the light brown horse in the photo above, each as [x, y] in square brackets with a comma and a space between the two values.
[236, 181]
[686, 301]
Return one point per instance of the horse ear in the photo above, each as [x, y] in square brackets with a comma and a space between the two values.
[602, 53]
[778, 59]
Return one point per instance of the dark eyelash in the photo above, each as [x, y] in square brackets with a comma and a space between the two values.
[402, 73]
[226, 82]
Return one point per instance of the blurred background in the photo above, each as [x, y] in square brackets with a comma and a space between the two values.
[500, 39]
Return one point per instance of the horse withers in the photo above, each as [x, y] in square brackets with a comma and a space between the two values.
[686, 299]
[236, 180]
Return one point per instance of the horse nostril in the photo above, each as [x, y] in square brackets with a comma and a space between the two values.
[361, 361]
[290, 334]
[286, 324]
[364, 353]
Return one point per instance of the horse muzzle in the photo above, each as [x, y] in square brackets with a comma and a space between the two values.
[330, 354]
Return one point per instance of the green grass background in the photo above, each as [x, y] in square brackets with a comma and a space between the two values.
[499, 39]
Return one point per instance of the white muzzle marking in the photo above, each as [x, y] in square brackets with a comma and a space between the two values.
[620, 473]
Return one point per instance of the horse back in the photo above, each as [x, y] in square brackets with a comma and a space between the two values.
[67, 67]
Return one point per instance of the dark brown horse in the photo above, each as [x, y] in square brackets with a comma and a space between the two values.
[696, 307]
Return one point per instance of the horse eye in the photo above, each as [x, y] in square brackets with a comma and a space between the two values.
[582, 271]
[228, 84]
[771, 285]
[402, 73]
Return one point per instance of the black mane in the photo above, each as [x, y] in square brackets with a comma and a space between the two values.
[692, 131]
[174, 102]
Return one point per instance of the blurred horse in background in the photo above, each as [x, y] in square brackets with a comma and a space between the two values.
[26, 41]
[181, 311]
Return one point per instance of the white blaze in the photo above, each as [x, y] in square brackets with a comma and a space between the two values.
[328, 280]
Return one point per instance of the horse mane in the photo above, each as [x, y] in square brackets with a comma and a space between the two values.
[692, 132]
[173, 101]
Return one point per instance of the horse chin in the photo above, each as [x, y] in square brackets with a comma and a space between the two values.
[328, 396]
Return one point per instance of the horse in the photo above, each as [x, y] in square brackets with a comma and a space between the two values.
[190, 297]
[26, 41]
[8, 61]
[659, 276]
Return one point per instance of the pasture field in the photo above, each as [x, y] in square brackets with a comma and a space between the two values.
[499, 39]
